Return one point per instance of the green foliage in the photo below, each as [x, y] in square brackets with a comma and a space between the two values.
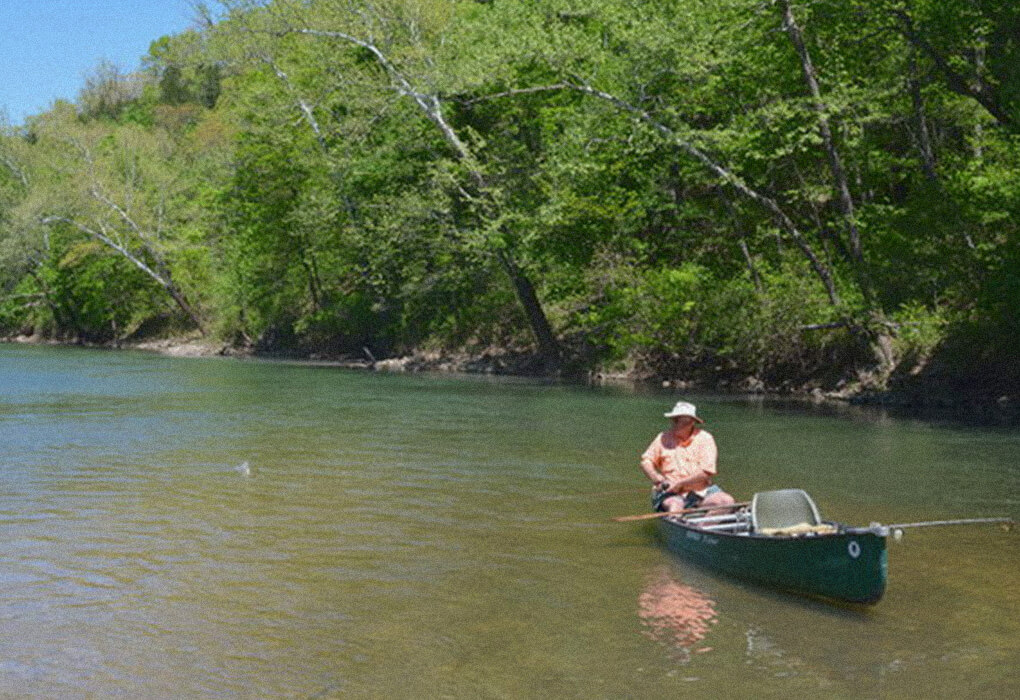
[80, 292]
[678, 321]
[326, 175]
[919, 332]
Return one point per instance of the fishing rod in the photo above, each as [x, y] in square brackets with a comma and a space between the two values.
[897, 528]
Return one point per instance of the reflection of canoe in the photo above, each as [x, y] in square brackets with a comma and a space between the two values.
[801, 553]
[675, 614]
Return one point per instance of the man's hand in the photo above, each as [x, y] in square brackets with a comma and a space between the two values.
[683, 484]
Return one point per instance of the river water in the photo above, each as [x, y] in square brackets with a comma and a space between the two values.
[220, 528]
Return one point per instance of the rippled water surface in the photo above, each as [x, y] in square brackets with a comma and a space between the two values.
[219, 528]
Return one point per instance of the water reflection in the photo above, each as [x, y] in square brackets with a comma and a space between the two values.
[676, 615]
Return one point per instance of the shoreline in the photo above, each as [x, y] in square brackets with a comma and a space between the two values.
[921, 399]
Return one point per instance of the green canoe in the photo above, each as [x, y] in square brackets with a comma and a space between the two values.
[781, 542]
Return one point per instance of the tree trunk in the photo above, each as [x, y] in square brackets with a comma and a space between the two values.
[548, 346]
[928, 164]
[839, 177]
[750, 265]
[184, 306]
[976, 88]
[752, 270]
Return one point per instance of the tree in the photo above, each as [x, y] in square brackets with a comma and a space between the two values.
[118, 187]
[107, 91]
[395, 38]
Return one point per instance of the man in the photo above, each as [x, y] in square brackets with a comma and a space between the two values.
[681, 463]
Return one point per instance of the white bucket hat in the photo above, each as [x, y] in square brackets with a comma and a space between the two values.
[682, 408]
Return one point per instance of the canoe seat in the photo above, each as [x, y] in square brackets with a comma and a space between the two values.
[773, 511]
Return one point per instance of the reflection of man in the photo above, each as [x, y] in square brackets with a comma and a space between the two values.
[675, 614]
[681, 463]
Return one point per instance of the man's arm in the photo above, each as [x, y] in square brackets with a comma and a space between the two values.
[649, 460]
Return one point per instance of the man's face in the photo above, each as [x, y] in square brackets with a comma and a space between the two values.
[681, 423]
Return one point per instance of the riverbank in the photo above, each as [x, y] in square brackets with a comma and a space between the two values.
[919, 394]
[174, 347]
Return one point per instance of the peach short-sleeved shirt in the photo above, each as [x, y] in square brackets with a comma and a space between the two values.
[676, 461]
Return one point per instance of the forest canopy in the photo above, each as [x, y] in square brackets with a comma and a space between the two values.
[777, 192]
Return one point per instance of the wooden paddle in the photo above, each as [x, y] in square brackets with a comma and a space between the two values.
[663, 514]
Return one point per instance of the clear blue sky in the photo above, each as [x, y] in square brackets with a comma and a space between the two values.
[48, 46]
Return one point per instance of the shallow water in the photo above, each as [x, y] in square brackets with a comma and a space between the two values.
[424, 536]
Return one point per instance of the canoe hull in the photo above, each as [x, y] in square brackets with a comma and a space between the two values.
[851, 565]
